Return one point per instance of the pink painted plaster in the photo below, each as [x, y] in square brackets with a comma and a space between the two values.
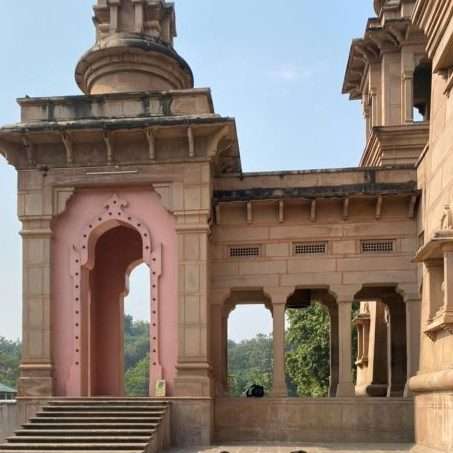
[72, 377]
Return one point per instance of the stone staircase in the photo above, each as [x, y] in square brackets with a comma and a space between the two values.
[111, 425]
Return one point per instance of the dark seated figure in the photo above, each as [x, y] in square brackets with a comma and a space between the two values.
[255, 391]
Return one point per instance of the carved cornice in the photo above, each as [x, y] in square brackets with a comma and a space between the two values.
[378, 39]
[64, 145]
[434, 249]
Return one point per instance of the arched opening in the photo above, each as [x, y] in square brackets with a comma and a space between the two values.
[136, 342]
[312, 344]
[114, 253]
[422, 92]
[381, 343]
[250, 348]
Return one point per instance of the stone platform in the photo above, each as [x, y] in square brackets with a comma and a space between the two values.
[308, 448]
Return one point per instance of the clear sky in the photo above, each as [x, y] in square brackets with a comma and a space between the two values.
[277, 67]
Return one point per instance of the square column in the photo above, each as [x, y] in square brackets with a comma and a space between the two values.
[413, 332]
[36, 369]
[279, 387]
[194, 372]
[345, 382]
[334, 356]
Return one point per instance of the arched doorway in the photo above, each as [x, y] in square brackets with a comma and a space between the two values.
[313, 349]
[114, 253]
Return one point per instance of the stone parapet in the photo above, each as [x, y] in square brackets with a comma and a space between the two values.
[322, 420]
[117, 105]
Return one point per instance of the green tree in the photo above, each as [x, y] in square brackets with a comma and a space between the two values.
[250, 362]
[136, 341]
[9, 361]
[137, 378]
[136, 356]
[308, 355]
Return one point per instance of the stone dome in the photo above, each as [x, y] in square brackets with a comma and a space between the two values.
[133, 50]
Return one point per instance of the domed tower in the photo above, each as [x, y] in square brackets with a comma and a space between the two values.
[388, 70]
[133, 50]
[137, 154]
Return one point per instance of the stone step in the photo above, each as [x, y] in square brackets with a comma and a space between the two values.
[71, 451]
[104, 407]
[72, 414]
[94, 402]
[139, 447]
[113, 425]
[101, 425]
[79, 439]
[92, 419]
[81, 432]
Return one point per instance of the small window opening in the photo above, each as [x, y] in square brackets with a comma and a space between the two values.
[422, 92]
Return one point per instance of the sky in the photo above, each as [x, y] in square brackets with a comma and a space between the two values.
[277, 67]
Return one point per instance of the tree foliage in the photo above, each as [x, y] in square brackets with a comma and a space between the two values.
[137, 378]
[250, 362]
[136, 356]
[9, 361]
[307, 358]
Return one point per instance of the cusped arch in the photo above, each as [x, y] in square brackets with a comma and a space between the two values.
[115, 214]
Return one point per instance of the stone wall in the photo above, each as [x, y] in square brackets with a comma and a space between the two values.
[8, 416]
[434, 420]
[323, 420]
[434, 383]
[191, 422]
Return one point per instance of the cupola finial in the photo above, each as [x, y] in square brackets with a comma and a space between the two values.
[134, 49]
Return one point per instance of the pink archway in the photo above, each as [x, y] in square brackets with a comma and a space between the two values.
[83, 260]
[102, 252]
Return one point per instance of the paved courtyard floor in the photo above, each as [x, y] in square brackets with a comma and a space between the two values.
[296, 448]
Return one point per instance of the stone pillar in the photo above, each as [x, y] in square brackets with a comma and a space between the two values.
[279, 388]
[398, 359]
[219, 345]
[408, 96]
[433, 280]
[193, 368]
[334, 350]
[448, 281]
[216, 339]
[345, 382]
[413, 332]
[36, 369]
[228, 309]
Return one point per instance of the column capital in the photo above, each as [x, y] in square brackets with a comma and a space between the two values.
[409, 292]
[345, 301]
[278, 296]
[345, 293]
[433, 263]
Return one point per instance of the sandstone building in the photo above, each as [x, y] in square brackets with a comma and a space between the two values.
[141, 169]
